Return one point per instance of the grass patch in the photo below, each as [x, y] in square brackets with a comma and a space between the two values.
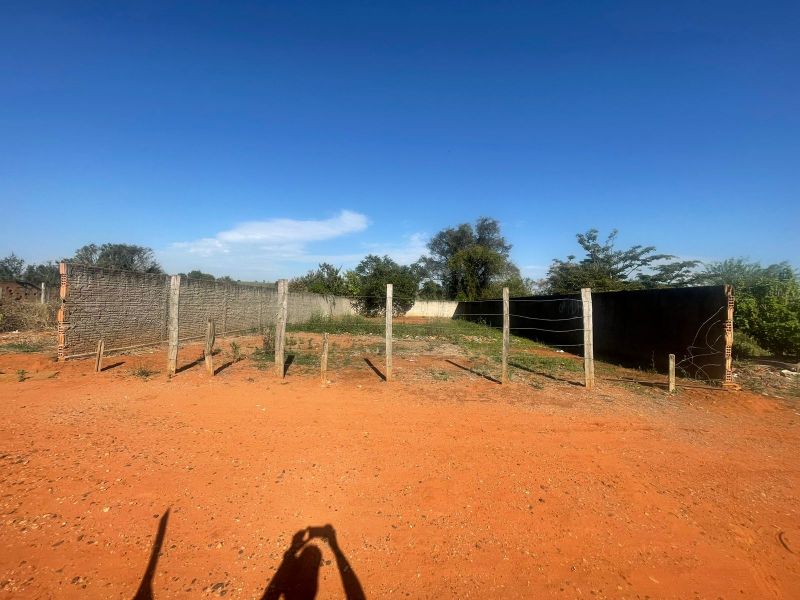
[143, 372]
[548, 365]
[22, 347]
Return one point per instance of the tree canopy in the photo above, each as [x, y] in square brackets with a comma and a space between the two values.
[469, 263]
[767, 301]
[125, 257]
[326, 279]
[370, 278]
[605, 268]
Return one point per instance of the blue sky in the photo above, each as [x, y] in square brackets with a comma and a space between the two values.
[256, 139]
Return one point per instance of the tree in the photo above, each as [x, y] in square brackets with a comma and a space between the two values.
[604, 268]
[466, 261]
[198, 274]
[326, 279]
[124, 257]
[767, 301]
[11, 267]
[371, 276]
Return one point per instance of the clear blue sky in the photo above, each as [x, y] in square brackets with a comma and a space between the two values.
[256, 139]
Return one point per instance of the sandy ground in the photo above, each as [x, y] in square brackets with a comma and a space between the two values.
[455, 488]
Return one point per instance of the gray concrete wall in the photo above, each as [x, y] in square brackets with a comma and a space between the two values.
[129, 310]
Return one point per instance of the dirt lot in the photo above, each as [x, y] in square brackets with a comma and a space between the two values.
[441, 484]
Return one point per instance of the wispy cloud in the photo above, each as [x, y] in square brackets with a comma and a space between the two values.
[264, 249]
[288, 237]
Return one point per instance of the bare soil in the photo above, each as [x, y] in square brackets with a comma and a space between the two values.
[440, 484]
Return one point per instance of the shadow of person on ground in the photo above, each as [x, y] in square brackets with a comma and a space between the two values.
[297, 577]
[145, 591]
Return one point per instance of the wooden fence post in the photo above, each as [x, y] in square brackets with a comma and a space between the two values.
[389, 310]
[671, 373]
[172, 324]
[323, 361]
[98, 359]
[280, 326]
[506, 332]
[211, 335]
[588, 340]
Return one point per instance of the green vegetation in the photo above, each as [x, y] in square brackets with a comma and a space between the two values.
[143, 372]
[604, 268]
[470, 263]
[22, 347]
[767, 304]
[236, 352]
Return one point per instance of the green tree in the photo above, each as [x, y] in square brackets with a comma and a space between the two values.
[125, 257]
[605, 268]
[370, 278]
[767, 301]
[11, 267]
[198, 274]
[466, 261]
[326, 279]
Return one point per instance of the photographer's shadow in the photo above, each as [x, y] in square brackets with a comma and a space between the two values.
[297, 577]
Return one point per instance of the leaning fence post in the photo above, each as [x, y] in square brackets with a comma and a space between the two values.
[323, 361]
[172, 324]
[588, 341]
[43, 288]
[280, 326]
[98, 358]
[671, 373]
[506, 327]
[211, 335]
[389, 310]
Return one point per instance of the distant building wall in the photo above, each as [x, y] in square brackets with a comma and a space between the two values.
[129, 310]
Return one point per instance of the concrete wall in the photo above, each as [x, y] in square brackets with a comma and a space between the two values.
[633, 328]
[129, 310]
[432, 308]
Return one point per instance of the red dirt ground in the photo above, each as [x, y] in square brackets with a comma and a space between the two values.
[438, 489]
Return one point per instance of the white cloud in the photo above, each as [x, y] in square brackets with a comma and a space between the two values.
[286, 237]
[264, 249]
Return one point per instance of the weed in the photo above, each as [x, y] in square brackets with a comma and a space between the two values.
[143, 372]
[22, 375]
[236, 352]
[22, 347]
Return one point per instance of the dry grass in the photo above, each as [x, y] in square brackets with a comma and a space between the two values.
[28, 316]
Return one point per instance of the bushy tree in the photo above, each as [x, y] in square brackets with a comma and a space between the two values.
[125, 257]
[11, 267]
[466, 261]
[605, 268]
[767, 301]
[370, 278]
[326, 279]
[198, 274]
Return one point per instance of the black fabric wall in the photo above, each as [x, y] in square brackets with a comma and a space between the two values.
[633, 328]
